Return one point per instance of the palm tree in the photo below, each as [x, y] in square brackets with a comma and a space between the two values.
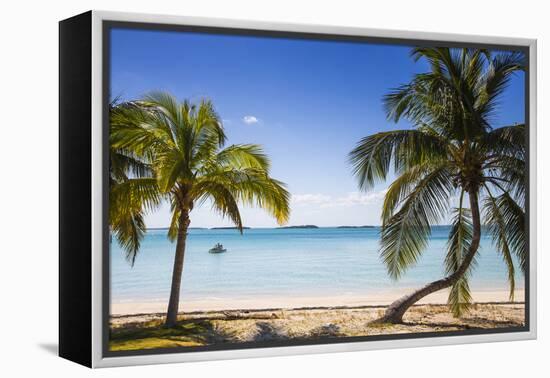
[183, 144]
[452, 154]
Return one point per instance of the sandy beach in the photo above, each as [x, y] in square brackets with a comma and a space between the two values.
[140, 327]
[145, 331]
[292, 302]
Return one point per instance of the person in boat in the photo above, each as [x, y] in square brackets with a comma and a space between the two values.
[218, 246]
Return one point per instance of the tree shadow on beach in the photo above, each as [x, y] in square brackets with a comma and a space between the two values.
[327, 330]
[491, 323]
[268, 332]
[467, 324]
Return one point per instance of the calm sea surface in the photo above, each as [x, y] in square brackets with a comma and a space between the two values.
[283, 262]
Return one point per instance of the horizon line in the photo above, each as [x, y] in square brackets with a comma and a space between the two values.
[280, 227]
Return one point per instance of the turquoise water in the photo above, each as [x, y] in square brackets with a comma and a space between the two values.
[284, 262]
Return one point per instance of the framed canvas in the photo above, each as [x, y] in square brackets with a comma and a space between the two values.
[234, 189]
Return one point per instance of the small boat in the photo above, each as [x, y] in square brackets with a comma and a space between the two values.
[218, 248]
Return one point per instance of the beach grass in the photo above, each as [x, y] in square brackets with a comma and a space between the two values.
[152, 334]
[146, 331]
[151, 343]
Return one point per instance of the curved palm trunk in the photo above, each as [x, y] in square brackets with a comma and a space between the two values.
[173, 304]
[394, 313]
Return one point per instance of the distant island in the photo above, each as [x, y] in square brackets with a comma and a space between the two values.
[166, 228]
[302, 226]
[355, 227]
[229, 228]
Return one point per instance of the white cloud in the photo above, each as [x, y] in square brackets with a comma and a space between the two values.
[304, 199]
[357, 198]
[250, 119]
[324, 210]
[350, 199]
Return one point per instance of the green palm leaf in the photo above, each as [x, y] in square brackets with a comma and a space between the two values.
[372, 156]
[405, 234]
[129, 201]
[496, 222]
[460, 237]
[506, 221]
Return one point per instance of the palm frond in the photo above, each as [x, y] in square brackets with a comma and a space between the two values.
[129, 230]
[170, 167]
[134, 128]
[223, 199]
[371, 158]
[423, 101]
[460, 238]
[208, 124]
[129, 200]
[124, 164]
[405, 235]
[507, 140]
[243, 156]
[135, 193]
[250, 186]
[506, 221]
[168, 113]
[208, 135]
[500, 230]
[506, 148]
[509, 174]
[514, 216]
[493, 83]
[404, 184]
[460, 297]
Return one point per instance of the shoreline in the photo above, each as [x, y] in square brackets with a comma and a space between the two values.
[266, 303]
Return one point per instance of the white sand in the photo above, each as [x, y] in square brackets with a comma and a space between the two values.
[293, 302]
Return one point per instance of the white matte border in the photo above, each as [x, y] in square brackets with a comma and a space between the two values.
[97, 264]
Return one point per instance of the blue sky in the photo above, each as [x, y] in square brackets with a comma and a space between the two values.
[307, 102]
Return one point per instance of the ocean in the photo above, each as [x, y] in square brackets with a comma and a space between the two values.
[285, 262]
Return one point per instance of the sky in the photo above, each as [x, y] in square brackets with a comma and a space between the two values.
[307, 102]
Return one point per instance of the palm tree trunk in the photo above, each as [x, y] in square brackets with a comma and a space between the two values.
[173, 303]
[394, 313]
